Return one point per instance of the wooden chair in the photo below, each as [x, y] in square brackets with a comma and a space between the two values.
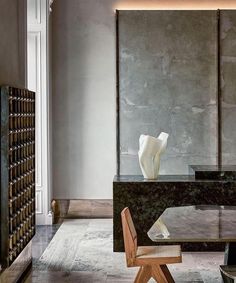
[151, 259]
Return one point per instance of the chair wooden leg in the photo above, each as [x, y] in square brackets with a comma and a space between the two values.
[167, 273]
[159, 275]
[144, 274]
[138, 275]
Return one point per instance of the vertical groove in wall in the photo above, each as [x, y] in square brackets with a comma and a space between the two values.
[117, 98]
[219, 96]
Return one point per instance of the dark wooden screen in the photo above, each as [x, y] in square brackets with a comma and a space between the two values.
[17, 171]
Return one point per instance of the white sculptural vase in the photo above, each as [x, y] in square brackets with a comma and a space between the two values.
[150, 150]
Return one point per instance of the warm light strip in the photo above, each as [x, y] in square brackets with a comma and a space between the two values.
[174, 4]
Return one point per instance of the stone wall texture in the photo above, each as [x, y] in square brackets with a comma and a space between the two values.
[168, 82]
[228, 86]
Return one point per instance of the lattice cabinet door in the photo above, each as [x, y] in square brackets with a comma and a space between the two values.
[17, 195]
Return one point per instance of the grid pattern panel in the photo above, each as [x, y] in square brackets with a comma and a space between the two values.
[21, 170]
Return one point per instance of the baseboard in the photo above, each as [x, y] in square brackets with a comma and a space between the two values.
[49, 218]
[81, 208]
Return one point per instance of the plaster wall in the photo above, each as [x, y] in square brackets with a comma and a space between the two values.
[84, 90]
[12, 43]
[84, 101]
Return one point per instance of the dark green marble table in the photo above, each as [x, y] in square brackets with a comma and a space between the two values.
[200, 223]
[213, 172]
[147, 200]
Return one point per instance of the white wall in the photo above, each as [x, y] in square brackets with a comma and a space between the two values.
[12, 43]
[83, 48]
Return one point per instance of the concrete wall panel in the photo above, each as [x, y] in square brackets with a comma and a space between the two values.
[228, 84]
[168, 82]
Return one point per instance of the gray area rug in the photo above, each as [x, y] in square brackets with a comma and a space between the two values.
[85, 245]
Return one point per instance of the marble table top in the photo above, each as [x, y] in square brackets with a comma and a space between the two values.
[226, 172]
[165, 179]
[223, 168]
[161, 178]
[195, 224]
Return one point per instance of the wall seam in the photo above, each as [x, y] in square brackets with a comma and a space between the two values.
[219, 95]
[117, 97]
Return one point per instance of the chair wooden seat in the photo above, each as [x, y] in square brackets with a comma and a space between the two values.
[160, 254]
[151, 259]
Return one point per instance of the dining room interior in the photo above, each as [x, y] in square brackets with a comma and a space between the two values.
[118, 141]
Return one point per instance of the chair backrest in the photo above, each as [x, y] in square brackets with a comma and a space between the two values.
[130, 236]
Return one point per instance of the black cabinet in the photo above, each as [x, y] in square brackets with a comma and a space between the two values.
[17, 195]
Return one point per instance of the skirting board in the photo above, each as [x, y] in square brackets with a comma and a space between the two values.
[81, 208]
